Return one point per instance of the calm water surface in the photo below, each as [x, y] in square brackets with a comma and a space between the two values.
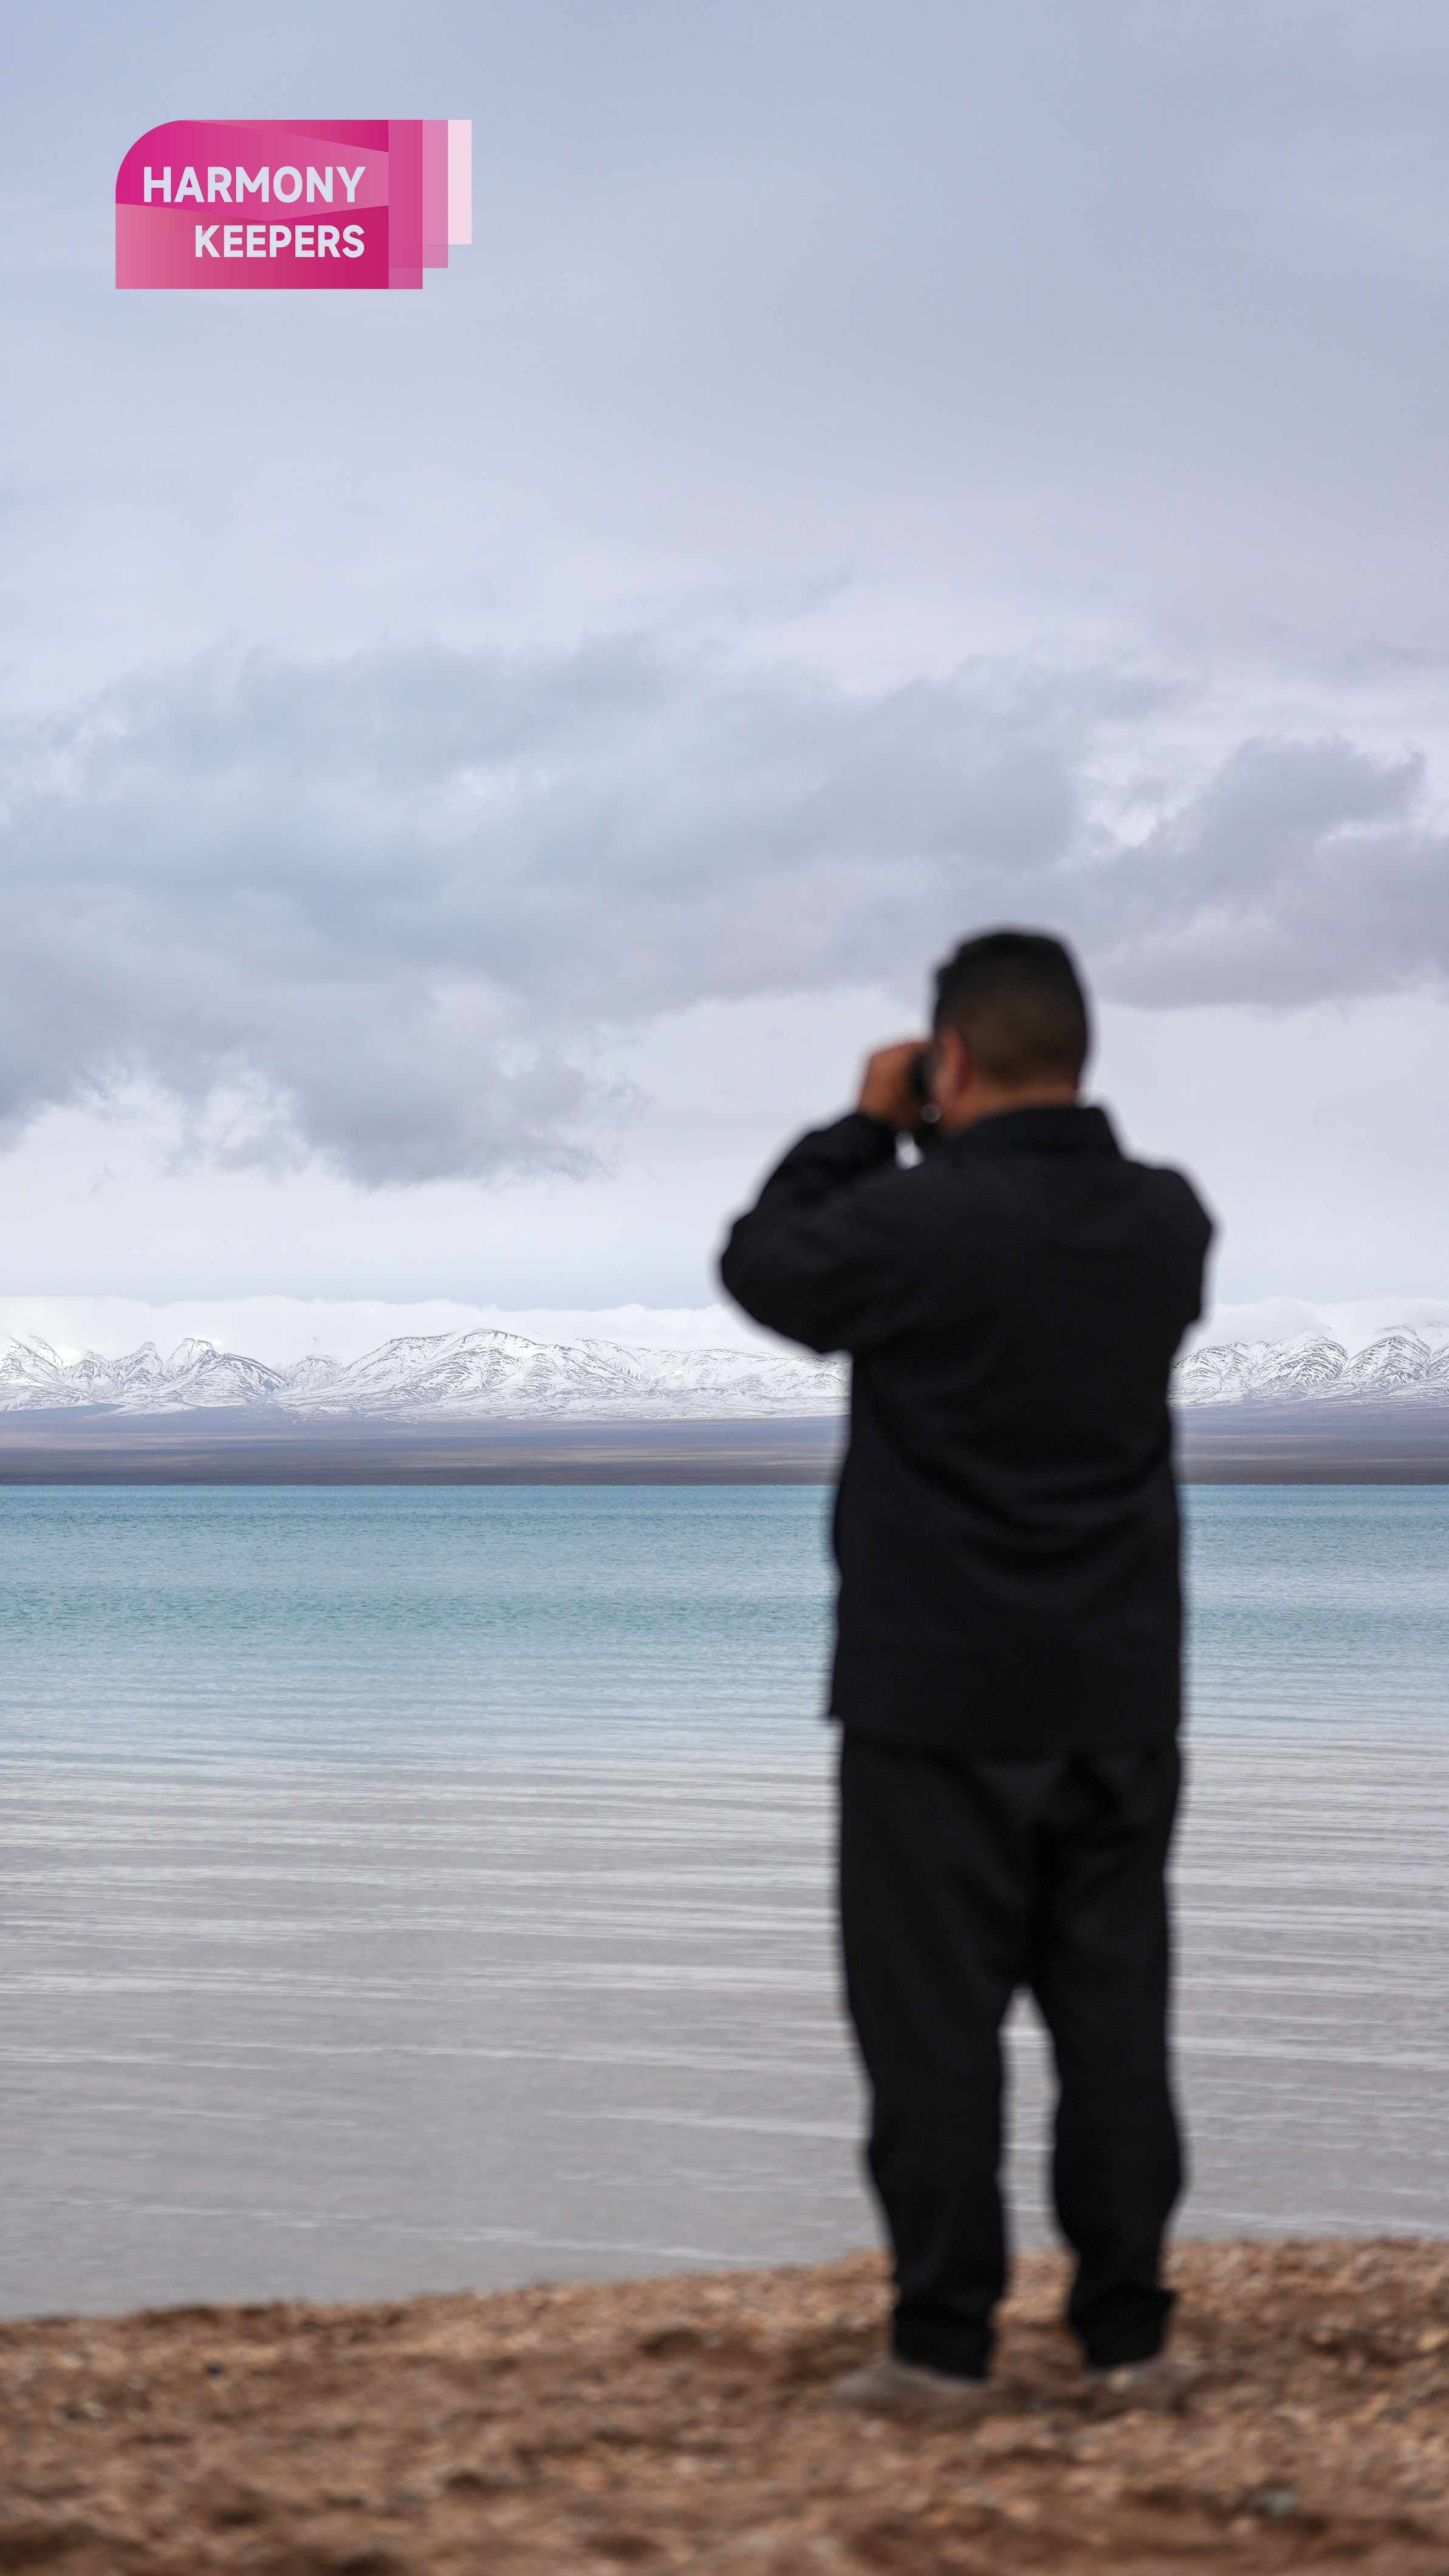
[405, 1888]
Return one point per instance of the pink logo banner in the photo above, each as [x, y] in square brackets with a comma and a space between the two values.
[313, 202]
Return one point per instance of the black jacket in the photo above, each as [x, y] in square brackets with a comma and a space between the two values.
[1006, 1525]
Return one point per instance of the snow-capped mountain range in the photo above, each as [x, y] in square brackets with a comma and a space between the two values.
[422, 1376]
[1398, 1366]
[487, 1374]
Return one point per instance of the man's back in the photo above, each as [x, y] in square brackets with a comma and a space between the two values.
[1006, 1526]
[1007, 1666]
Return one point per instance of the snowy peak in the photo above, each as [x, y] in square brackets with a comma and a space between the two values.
[475, 1375]
[1398, 1365]
[487, 1375]
[501, 1374]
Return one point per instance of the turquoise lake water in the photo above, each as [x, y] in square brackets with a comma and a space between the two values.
[412, 1887]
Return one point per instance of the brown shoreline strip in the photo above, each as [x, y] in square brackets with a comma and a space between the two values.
[254, 1445]
[683, 2424]
[1316, 1441]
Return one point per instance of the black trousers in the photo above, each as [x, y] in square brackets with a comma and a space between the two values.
[962, 1878]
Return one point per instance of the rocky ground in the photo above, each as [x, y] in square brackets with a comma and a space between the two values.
[684, 2424]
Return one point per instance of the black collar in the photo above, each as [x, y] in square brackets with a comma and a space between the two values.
[1053, 1127]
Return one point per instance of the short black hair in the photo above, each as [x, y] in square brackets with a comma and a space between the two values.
[1016, 998]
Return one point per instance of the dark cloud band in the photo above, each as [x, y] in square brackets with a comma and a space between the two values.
[395, 903]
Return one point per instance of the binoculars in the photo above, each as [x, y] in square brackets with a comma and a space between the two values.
[927, 1129]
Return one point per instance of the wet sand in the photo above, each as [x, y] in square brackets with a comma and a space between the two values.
[684, 2424]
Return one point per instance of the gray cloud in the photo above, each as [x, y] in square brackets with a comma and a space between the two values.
[1299, 872]
[387, 909]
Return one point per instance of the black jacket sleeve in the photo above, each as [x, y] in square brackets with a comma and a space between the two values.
[818, 1257]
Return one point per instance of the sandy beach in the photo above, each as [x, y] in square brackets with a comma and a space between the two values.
[684, 2423]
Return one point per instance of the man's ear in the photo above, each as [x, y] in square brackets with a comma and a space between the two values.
[953, 1067]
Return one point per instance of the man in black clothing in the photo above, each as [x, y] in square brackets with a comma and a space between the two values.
[1007, 1667]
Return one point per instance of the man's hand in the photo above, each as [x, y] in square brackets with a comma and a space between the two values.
[887, 1091]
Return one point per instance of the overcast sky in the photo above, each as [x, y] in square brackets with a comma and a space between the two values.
[478, 767]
